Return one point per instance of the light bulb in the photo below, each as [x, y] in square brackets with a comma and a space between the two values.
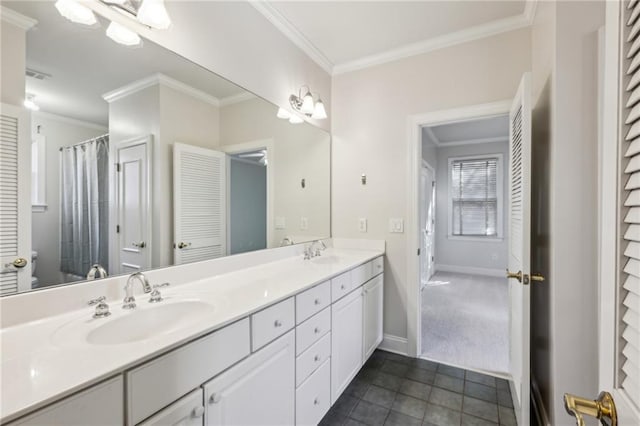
[307, 104]
[154, 14]
[294, 119]
[319, 112]
[123, 35]
[283, 113]
[75, 12]
[29, 103]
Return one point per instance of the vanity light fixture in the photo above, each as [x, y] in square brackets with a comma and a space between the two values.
[151, 13]
[123, 35]
[294, 119]
[30, 102]
[75, 12]
[283, 113]
[307, 105]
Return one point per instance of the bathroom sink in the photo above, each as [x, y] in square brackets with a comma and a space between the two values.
[142, 323]
[325, 260]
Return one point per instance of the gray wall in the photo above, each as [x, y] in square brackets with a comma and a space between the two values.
[247, 207]
[488, 254]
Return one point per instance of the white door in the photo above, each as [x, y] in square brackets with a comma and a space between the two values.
[346, 342]
[187, 411]
[257, 391]
[15, 200]
[373, 310]
[519, 246]
[427, 223]
[133, 228]
[199, 203]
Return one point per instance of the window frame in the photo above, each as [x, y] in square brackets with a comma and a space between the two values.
[499, 237]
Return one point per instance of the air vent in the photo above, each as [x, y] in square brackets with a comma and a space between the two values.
[37, 74]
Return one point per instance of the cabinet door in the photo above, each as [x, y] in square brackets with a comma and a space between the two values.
[346, 342]
[373, 308]
[187, 411]
[258, 391]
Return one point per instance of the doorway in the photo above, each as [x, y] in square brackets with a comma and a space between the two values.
[427, 222]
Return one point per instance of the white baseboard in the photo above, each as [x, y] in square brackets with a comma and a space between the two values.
[471, 270]
[538, 406]
[395, 344]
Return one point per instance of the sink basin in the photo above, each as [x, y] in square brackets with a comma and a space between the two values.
[325, 260]
[142, 323]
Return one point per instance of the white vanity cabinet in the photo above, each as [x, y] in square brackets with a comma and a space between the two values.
[258, 391]
[187, 411]
[101, 404]
[372, 315]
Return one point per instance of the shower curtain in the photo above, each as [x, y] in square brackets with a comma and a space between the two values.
[84, 206]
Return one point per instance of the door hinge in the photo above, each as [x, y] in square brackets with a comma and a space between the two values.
[117, 229]
[418, 252]
[117, 167]
[433, 259]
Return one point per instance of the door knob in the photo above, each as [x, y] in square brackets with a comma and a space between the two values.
[602, 408]
[141, 244]
[183, 245]
[537, 277]
[516, 275]
[20, 262]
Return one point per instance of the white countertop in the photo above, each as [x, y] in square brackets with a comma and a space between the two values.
[38, 366]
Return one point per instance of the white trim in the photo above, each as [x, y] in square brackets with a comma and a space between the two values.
[395, 344]
[414, 156]
[234, 99]
[447, 40]
[68, 120]
[495, 139]
[293, 34]
[18, 19]
[478, 239]
[39, 208]
[159, 79]
[470, 270]
[499, 196]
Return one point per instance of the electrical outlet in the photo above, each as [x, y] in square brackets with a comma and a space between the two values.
[304, 223]
[396, 225]
[362, 224]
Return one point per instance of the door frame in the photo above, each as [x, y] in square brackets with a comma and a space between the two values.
[269, 146]
[425, 165]
[414, 156]
[114, 216]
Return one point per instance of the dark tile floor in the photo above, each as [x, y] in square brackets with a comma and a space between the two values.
[396, 390]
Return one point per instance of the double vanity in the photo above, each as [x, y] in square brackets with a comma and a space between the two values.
[273, 343]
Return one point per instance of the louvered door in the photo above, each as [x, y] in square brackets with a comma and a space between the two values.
[199, 203]
[519, 246]
[15, 201]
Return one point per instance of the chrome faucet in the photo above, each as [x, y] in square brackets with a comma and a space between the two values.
[130, 301]
[319, 245]
[96, 269]
[286, 241]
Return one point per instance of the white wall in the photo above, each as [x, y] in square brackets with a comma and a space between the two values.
[370, 110]
[59, 132]
[487, 254]
[12, 63]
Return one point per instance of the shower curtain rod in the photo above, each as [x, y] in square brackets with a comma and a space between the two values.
[82, 143]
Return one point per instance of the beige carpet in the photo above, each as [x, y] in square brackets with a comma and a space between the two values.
[465, 321]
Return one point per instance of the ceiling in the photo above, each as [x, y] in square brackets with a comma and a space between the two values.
[344, 32]
[486, 130]
[84, 64]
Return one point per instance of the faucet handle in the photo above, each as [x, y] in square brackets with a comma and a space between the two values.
[155, 294]
[96, 300]
[102, 309]
[161, 285]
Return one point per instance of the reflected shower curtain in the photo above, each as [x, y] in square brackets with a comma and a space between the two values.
[84, 206]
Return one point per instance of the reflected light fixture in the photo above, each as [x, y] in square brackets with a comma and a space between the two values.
[30, 102]
[307, 105]
[123, 35]
[75, 12]
[283, 113]
[294, 119]
[154, 14]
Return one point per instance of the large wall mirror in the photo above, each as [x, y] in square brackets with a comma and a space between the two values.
[142, 159]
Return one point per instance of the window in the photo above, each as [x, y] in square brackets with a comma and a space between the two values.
[475, 196]
[38, 177]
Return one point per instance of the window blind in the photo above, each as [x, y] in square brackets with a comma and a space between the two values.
[629, 310]
[474, 197]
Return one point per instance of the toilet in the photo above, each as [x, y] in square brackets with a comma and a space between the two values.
[34, 279]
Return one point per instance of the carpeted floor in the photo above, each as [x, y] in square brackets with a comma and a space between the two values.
[465, 321]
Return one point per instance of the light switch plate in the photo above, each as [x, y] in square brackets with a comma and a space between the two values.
[304, 223]
[396, 225]
[280, 223]
[362, 224]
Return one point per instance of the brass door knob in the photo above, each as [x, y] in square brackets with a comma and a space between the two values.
[602, 408]
[183, 245]
[141, 244]
[537, 277]
[516, 275]
[20, 262]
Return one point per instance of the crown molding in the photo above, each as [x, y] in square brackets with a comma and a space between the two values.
[17, 19]
[293, 34]
[432, 136]
[530, 8]
[234, 99]
[69, 120]
[159, 79]
[470, 34]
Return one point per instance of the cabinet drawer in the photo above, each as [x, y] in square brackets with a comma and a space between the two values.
[101, 404]
[312, 330]
[271, 323]
[312, 358]
[360, 275]
[377, 266]
[187, 411]
[313, 396]
[159, 382]
[340, 286]
[312, 301]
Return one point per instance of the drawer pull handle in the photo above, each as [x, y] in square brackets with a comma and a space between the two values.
[316, 358]
[316, 330]
[215, 398]
[317, 301]
[197, 412]
[315, 401]
[277, 323]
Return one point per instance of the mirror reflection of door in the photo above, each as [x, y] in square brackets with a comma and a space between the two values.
[427, 209]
